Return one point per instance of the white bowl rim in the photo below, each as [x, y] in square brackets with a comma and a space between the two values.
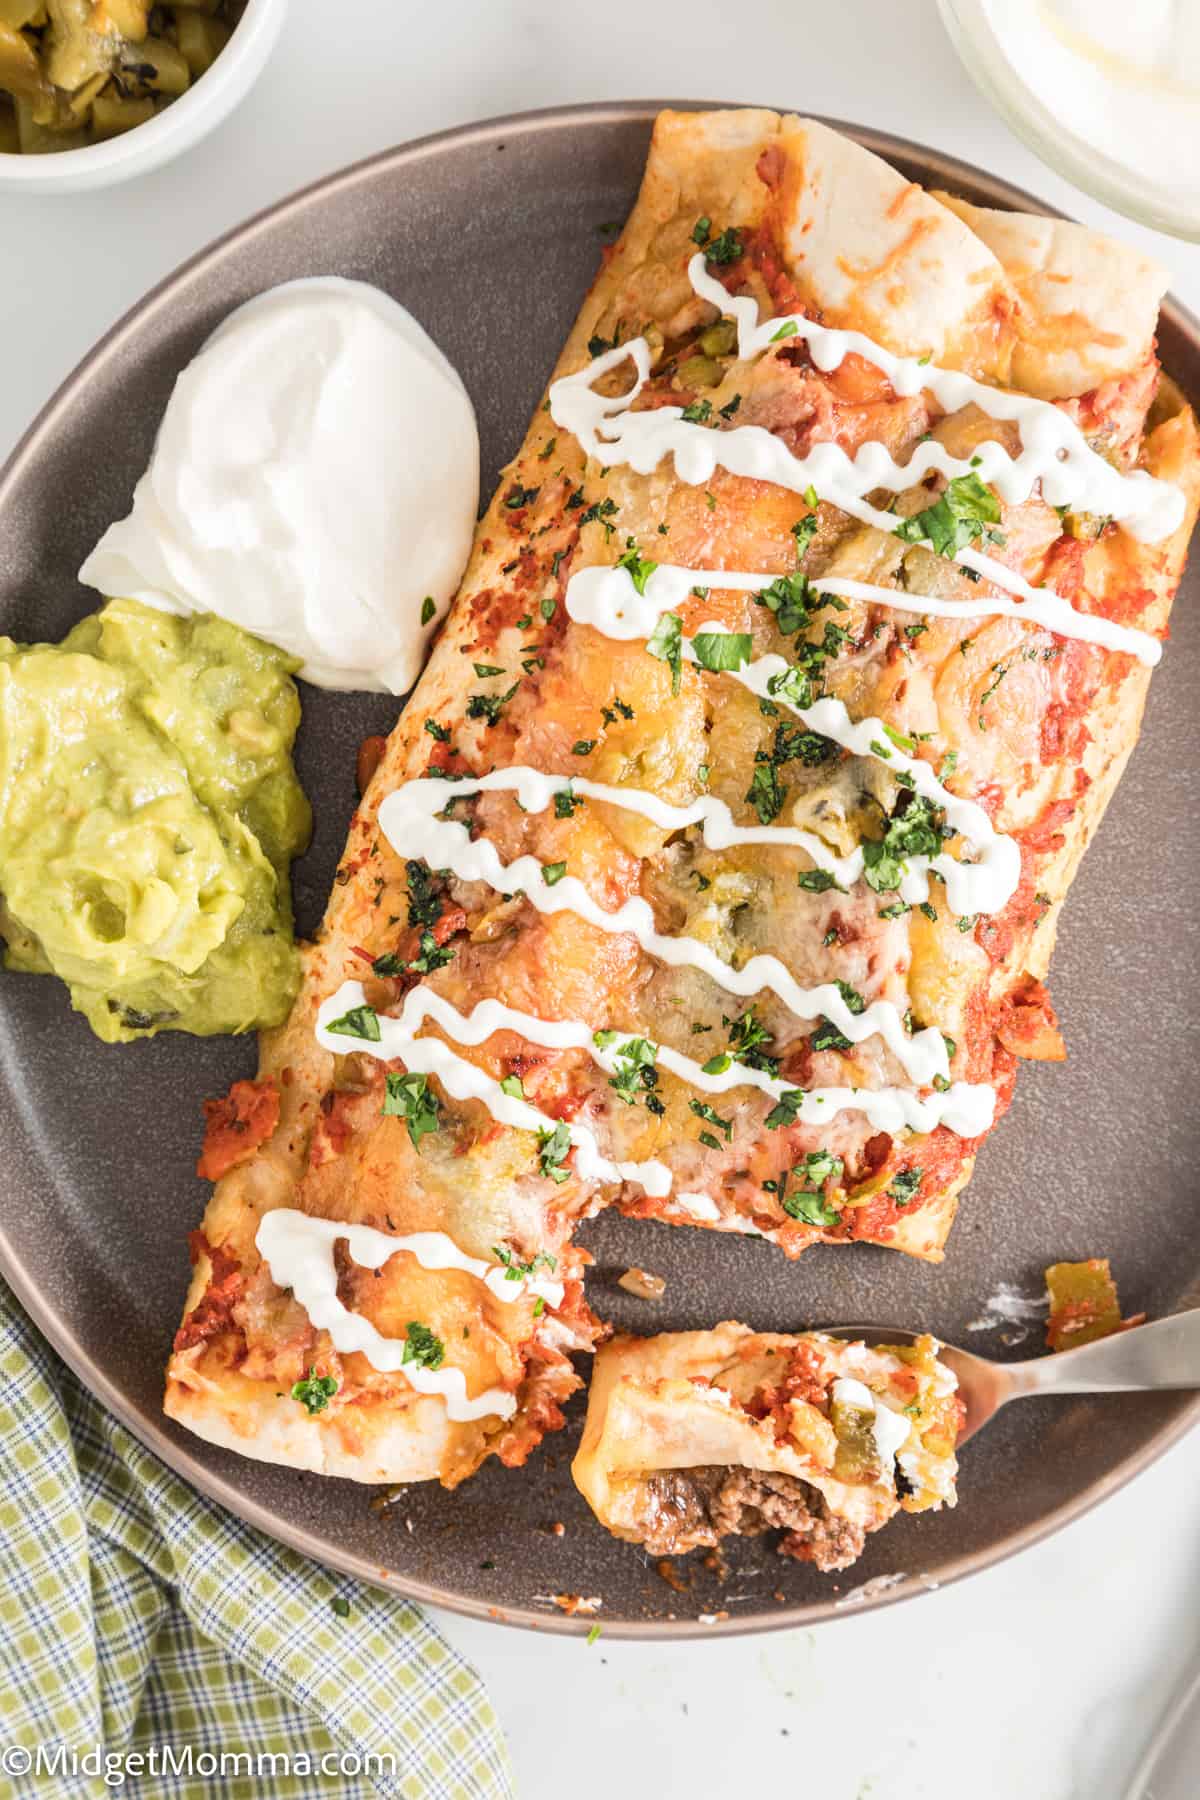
[173, 129]
[1135, 197]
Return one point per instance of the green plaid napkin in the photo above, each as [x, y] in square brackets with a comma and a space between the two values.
[137, 1619]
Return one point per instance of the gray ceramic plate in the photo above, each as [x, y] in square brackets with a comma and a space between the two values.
[491, 236]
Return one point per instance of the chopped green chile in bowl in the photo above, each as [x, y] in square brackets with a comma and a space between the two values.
[93, 90]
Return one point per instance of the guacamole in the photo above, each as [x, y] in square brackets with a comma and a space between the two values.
[149, 811]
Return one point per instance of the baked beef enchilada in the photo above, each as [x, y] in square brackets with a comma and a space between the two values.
[714, 866]
[694, 1436]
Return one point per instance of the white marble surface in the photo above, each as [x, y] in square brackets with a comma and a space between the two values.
[1042, 1677]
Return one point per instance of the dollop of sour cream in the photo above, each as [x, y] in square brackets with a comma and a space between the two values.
[315, 480]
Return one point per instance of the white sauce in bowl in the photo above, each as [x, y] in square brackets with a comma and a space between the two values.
[1122, 79]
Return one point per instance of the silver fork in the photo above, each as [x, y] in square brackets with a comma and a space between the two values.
[1165, 1354]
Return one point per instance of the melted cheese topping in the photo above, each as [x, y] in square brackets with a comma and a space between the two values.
[1054, 455]
[408, 820]
[607, 599]
[298, 1250]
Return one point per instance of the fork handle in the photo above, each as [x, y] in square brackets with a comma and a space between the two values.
[1165, 1354]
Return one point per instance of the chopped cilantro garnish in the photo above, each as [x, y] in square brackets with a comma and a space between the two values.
[518, 496]
[786, 1109]
[547, 608]
[513, 1086]
[490, 706]
[821, 1166]
[315, 1392]
[636, 1069]
[640, 568]
[747, 1035]
[724, 249]
[809, 1207]
[790, 597]
[483, 670]
[514, 1270]
[727, 411]
[766, 792]
[430, 956]
[600, 511]
[793, 743]
[408, 1097]
[552, 873]
[583, 746]
[913, 829]
[565, 803]
[703, 1110]
[359, 1022]
[999, 670]
[698, 413]
[788, 329]
[427, 609]
[898, 738]
[423, 1347]
[828, 1037]
[818, 881]
[804, 531]
[903, 1187]
[553, 1147]
[961, 516]
[702, 231]
[440, 732]
[720, 651]
[424, 901]
[666, 642]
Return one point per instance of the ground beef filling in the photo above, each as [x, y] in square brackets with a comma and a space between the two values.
[690, 1508]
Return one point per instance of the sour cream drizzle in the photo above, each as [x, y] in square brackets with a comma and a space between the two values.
[408, 820]
[298, 1250]
[966, 1108]
[671, 585]
[465, 1081]
[1054, 451]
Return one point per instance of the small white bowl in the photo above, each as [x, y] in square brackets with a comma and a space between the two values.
[176, 128]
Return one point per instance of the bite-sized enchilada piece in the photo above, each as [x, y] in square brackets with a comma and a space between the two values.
[714, 865]
[698, 1435]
